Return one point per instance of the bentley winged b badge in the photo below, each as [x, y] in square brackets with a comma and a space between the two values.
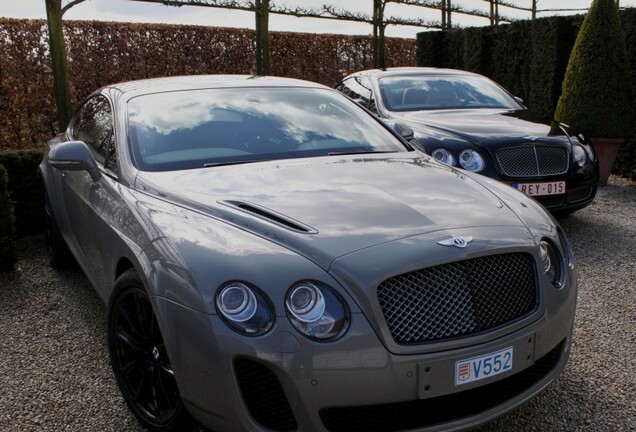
[460, 242]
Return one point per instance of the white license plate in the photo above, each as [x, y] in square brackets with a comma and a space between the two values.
[540, 189]
[485, 366]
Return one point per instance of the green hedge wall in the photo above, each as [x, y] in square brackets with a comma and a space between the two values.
[25, 189]
[7, 236]
[528, 58]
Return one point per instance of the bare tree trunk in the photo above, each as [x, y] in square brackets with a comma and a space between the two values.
[446, 14]
[379, 60]
[57, 47]
[497, 12]
[263, 65]
[376, 37]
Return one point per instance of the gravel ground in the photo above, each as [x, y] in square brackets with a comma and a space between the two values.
[55, 374]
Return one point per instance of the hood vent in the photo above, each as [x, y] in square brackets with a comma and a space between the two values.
[271, 216]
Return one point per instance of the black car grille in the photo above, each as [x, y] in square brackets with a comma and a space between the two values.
[458, 299]
[533, 161]
[436, 411]
[264, 396]
[550, 201]
[580, 195]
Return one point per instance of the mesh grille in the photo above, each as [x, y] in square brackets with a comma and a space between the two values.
[264, 396]
[580, 195]
[437, 411]
[550, 201]
[533, 161]
[458, 299]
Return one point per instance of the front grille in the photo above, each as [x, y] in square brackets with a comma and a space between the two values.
[458, 299]
[533, 161]
[264, 396]
[435, 411]
[580, 195]
[550, 201]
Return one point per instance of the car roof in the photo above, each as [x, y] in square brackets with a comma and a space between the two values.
[131, 89]
[405, 71]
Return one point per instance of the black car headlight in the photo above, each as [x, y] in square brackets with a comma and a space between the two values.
[316, 311]
[553, 264]
[580, 155]
[444, 156]
[583, 152]
[244, 308]
[471, 160]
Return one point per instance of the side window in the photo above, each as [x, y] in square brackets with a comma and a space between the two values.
[95, 128]
[356, 91]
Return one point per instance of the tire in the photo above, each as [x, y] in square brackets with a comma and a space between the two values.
[57, 250]
[140, 361]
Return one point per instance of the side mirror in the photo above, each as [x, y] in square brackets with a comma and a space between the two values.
[404, 131]
[74, 156]
[518, 99]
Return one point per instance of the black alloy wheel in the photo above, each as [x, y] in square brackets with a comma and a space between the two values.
[57, 251]
[139, 359]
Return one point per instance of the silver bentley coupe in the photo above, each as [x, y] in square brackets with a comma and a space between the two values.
[274, 258]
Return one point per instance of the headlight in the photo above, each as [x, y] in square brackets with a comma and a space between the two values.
[244, 308]
[579, 141]
[444, 156]
[471, 160]
[316, 311]
[552, 263]
[580, 155]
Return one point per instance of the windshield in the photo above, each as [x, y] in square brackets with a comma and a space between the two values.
[207, 128]
[437, 92]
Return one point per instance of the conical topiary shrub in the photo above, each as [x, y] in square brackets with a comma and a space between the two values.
[597, 93]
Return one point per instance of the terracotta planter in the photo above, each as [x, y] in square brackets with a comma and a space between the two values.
[606, 151]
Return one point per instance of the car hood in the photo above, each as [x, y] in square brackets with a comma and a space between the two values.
[326, 207]
[479, 125]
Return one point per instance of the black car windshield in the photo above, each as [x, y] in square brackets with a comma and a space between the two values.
[440, 92]
[207, 128]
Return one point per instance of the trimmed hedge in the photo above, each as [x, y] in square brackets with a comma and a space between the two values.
[25, 189]
[7, 235]
[102, 53]
[529, 58]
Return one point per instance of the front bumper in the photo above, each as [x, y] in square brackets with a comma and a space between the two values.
[282, 381]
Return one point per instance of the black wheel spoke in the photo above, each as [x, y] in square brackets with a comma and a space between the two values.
[143, 382]
[131, 341]
[133, 365]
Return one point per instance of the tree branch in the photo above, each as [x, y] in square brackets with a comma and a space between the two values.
[70, 5]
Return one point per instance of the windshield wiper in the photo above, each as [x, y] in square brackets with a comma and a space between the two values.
[216, 164]
[359, 152]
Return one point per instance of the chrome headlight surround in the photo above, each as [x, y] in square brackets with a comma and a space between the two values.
[316, 311]
[244, 308]
[471, 160]
[578, 144]
[444, 156]
[580, 154]
[553, 263]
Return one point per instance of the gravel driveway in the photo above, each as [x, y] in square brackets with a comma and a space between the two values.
[55, 375]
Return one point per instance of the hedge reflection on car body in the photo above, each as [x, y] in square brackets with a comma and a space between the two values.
[466, 120]
[274, 258]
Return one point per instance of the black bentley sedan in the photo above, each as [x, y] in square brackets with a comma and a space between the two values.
[466, 120]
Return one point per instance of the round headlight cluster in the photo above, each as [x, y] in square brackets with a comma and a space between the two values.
[552, 263]
[444, 156]
[316, 311]
[580, 155]
[245, 308]
[469, 159]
